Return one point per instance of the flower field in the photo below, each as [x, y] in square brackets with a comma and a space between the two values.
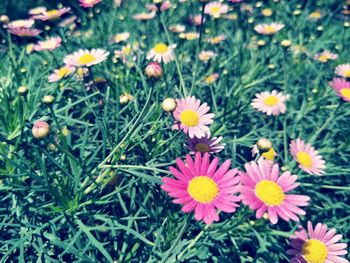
[175, 131]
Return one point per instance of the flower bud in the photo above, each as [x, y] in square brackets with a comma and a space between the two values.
[48, 99]
[40, 129]
[169, 104]
[154, 70]
[23, 90]
[264, 145]
[125, 98]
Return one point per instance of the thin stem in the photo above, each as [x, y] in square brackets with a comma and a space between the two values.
[182, 82]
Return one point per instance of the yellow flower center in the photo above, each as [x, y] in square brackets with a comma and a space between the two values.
[314, 251]
[345, 92]
[53, 13]
[271, 100]
[315, 14]
[189, 118]
[86, 59]
[270, 29]
[269, 192]
[269, 155]
[160, 48]
[215, 9]
[346, 73]
[304, 159]
[62, 72]
[323, 58]
[203, 189]
[202, 147]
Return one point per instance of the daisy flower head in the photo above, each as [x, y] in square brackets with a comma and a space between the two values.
[120, 37]
[177, 28]
[61, 73]
[51, 14]
[317, 245]
[271, 103]
[192, 117]
[37, 10]
[203, 187]
[24, 32]
[22, 23]
[342, 87]
[86, 58]
[268, 29]
[49, 44]
[308, 158]
[206, 55]
[161, 52]
[264, 190]
[216, 9]
[88, 3]
[211, 78]
[206, 144]
[343, 70]
[144, 16]
[325, 56]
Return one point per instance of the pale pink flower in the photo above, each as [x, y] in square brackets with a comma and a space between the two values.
[202, 187]
[120, 37]
[343, 70]
[205, 144]
[196, 19]
[51, 14]
[317, 245]
[61, 73]
[49, 44]
[86, 58]
[24, 32]
[206, 55]
[88, 3]
[264, 190]
[325, 56]
[268, 29]
[308, 158]
[144, 16]
[178, 28]
[192, 117]
[271, 103]
[37, 10]
[162, 52]
[216, 9]
[342, 87]
[22, 23]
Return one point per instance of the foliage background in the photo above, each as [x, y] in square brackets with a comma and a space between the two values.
[45, 216]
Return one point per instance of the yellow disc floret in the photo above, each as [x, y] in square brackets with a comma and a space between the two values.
[304, 159]
[86, 59]
[203, 189]
[189, 118]
[269, 192]
[314, 251]
[160, 48]
[271, 100]
[345, 92]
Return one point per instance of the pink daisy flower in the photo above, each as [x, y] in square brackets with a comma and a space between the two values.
[61, 73]
[202, 187]
[144, 16]
[343, 70]
[342, 87]
[206, 144]
[325, 56]
[51, 14]
[271, 103]
[37, 10]
[161, 52]
[49, 44]
[316, 245]
[88, 3]
[86, 58]
[268, 29]
[264, 190]
[24, 32]
[308, 158]
[22, 23]
[216, 9]
[192, 117]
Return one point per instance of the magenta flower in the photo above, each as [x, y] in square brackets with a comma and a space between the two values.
[342, 87]
[205, 144]
[192, 117]
[308, 158]
[317, 245]
[202, 187]
[264, 190]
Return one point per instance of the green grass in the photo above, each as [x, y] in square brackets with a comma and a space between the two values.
[55, 203]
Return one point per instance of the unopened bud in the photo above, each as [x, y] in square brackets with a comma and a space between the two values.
[23, 90]
[40, 129]
[154, 70]
[264, 145]
[169, 104]
[48, 99]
